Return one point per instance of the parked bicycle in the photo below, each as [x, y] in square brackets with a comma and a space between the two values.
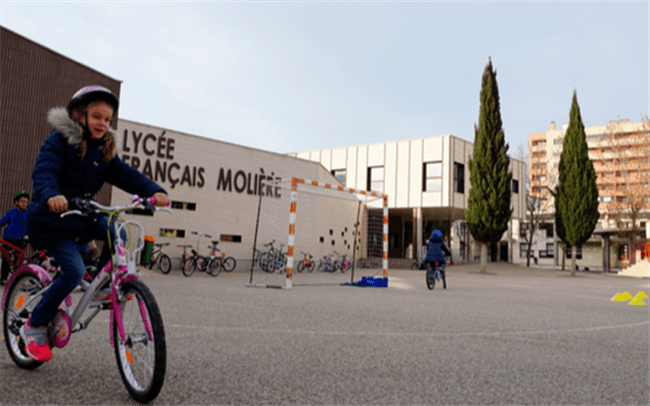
[307, 263]
[136, 326]
[195, 261]
[185, 255]
[326, 264]
[160, 259]
[342, 263]
[273, 259]
[219, 262]
[418, 264]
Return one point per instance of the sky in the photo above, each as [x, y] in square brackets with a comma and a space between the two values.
[298, 76]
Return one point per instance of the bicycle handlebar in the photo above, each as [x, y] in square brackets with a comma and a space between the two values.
[202, 234]
[83, 207]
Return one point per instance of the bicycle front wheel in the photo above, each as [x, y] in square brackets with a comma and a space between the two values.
[142, 355]
[165, 264]
[215, 266]
[301, 266]
[188, 268]
[16, 312]
[229, 264]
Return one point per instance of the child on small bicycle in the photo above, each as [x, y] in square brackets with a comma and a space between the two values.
[75, 160]
[14, 234]
[436, 250]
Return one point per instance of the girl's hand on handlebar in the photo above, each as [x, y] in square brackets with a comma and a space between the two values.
[161, 199]
[57, 204]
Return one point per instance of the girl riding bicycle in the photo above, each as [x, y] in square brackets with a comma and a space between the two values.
[75, 161]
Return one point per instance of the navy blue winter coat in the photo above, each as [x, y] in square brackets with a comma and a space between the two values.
[60, 170]
[435, 249]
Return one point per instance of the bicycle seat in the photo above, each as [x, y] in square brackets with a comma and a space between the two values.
[215, 242]
[162, 244]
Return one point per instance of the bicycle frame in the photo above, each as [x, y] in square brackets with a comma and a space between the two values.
[6, 254]
[120, 270]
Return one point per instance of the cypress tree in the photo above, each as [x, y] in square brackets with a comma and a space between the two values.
[488, 205]
[576, 200]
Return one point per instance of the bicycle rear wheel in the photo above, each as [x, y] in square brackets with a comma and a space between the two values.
[443, 275]
[267, 262]
[165, 264]
[229, 264]
[142, 358]
[431, 278]
[16, 313]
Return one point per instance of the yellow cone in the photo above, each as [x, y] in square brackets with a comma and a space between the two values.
[642, 295]
[637, 301]
[627, 295]
[619, 298]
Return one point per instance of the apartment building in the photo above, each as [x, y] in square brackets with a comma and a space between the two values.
[620, 152]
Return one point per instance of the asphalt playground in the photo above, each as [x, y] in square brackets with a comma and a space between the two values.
[513, 336]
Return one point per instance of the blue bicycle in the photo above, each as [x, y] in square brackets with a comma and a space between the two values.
[436, 272]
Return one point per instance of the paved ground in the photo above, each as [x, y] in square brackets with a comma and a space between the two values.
[514, 336]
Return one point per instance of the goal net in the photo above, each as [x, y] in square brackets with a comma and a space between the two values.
[314, 233]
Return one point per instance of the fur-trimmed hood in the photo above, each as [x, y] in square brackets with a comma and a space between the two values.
[72, 131]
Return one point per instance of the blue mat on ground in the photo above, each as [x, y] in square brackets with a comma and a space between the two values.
[369, 282]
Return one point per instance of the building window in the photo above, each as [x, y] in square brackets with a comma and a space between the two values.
[550, 250]
[340, 175]
[183, 205]
[515, 186]
[548, 227]
[376, 179]
[523, 247]
[459, 178]
[141, 212]
[578, 252]
[432, 177]
[230, 238]
[522, 230]
[169, 232]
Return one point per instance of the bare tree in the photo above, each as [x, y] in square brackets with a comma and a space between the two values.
[534, 217]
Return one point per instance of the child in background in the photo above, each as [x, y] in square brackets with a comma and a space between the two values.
[14, 234]
[435, 250]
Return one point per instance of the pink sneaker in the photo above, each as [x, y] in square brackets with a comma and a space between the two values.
[36, 343]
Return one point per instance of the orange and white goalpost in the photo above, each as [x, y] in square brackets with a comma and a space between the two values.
[343, 231]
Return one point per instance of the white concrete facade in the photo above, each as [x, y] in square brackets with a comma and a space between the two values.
[405, 180]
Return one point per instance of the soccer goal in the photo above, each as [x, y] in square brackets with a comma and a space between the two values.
[314, 233]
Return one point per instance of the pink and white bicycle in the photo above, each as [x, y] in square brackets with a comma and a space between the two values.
[136, 326]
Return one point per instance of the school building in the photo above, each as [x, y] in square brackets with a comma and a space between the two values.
[239, 195]
[427, 184]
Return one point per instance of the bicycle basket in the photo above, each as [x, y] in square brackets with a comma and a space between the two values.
[134, 241]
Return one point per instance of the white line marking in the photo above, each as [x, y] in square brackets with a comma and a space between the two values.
[390, 334]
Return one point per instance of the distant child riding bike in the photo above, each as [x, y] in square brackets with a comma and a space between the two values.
[435, 260]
